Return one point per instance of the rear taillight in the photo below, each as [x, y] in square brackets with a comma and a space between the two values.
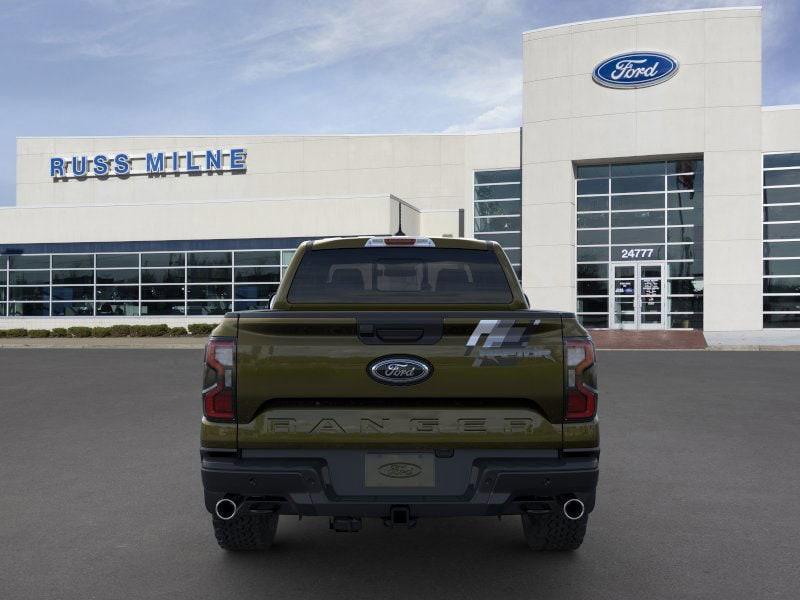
[218, 380]
[581, 383]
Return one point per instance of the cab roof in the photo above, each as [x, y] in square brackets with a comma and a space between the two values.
[401, 241]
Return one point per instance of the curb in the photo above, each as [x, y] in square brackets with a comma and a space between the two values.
[165, 343]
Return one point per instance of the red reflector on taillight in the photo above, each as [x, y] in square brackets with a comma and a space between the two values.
[581, 404]
[218, 384]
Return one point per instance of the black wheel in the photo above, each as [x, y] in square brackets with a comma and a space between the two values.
[553, 531]
[246, 532]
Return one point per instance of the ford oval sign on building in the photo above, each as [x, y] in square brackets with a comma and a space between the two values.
[635, 70]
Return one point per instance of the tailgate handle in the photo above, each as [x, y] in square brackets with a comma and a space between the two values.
[399, 336]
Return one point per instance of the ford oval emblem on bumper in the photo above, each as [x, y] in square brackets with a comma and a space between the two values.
[399, 370]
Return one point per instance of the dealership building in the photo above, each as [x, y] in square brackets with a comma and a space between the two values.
[646, 188]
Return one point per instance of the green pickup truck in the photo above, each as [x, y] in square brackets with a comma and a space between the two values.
[399, 378]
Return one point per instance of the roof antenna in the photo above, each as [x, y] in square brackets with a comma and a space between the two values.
[399, 219]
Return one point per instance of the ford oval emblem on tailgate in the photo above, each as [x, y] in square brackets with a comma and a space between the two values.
[399, 370]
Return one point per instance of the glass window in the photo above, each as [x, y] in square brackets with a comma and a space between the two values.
[163, 276]
[257, 274]
[502, 176]
[591, 254]
[592, 203]
[250, 304]
[679, 251]
[117, 292]
[117, 276]
[72, 309]
[29, 261]
[782, 303]
[782, 267]
[497, 207]
[787, 177]
[286, 256]
[29, 277]
[637, 236]
[592, 271]
[491, 192]
[2, 278]
[596, 321]
[163, 308]
[782, 160]
[592, 236]
[113, 261]
[684, 166]
[84, 292]
[75, 276]
[782, 249]
[259, 257]
[253, 291]
[684, 182]
[209, 259]
[73, 261]
[28, 309]
[592, 186]
[208, 308]
[29, 293]
[778, 231]
[163, 292]
[586, 171]
[782, 320]
[209, 292]
[637, 219]
[680, 269]
[782, 285]
[694, 304]
[682, 217]
[498, 224]
[680, 234]
[636, 184]
[682, 286]
[163, 259]
[637, 202]
[782, 213]
[400, 276]
[118, 309]
[593, 288]
[781, 195]
[209, 275]
[652, 168]
[593, 220]
[514, 255]
[596, 305]
[685, 200]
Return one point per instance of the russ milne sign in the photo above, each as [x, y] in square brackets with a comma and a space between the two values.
[635, 70]
[121, 164]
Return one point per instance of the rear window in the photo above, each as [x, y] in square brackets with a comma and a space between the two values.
[399, 276]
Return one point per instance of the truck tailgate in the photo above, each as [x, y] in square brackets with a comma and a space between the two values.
[497, 379]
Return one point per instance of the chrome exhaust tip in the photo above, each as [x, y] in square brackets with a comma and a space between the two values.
[573, 509]
[225, 509]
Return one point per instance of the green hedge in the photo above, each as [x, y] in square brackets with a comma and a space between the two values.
[161, 330]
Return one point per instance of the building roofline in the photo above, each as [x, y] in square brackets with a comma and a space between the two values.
[652, 14]
[265, 135]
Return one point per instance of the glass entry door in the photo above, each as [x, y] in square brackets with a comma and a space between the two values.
[637, 295]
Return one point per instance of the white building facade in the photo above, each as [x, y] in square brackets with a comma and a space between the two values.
[647, 188]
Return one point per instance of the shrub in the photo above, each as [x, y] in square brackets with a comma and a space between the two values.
[38, 333]
[59, 332]
[120, 330]
[201, 328]
[80, 332]
[101, 332]
[176, 331]
[16, 332]
[138, 330]
[156, 330]
[3, 333]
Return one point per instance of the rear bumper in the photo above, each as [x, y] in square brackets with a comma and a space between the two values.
[467, 482]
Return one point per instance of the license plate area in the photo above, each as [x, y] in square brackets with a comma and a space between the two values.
[400, 470]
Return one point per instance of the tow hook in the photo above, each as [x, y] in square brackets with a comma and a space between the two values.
[399, 516]
[346, 524]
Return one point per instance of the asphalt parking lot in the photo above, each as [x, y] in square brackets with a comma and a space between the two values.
[100, 494]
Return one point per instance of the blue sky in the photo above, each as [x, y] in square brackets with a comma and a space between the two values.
[105, 67]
